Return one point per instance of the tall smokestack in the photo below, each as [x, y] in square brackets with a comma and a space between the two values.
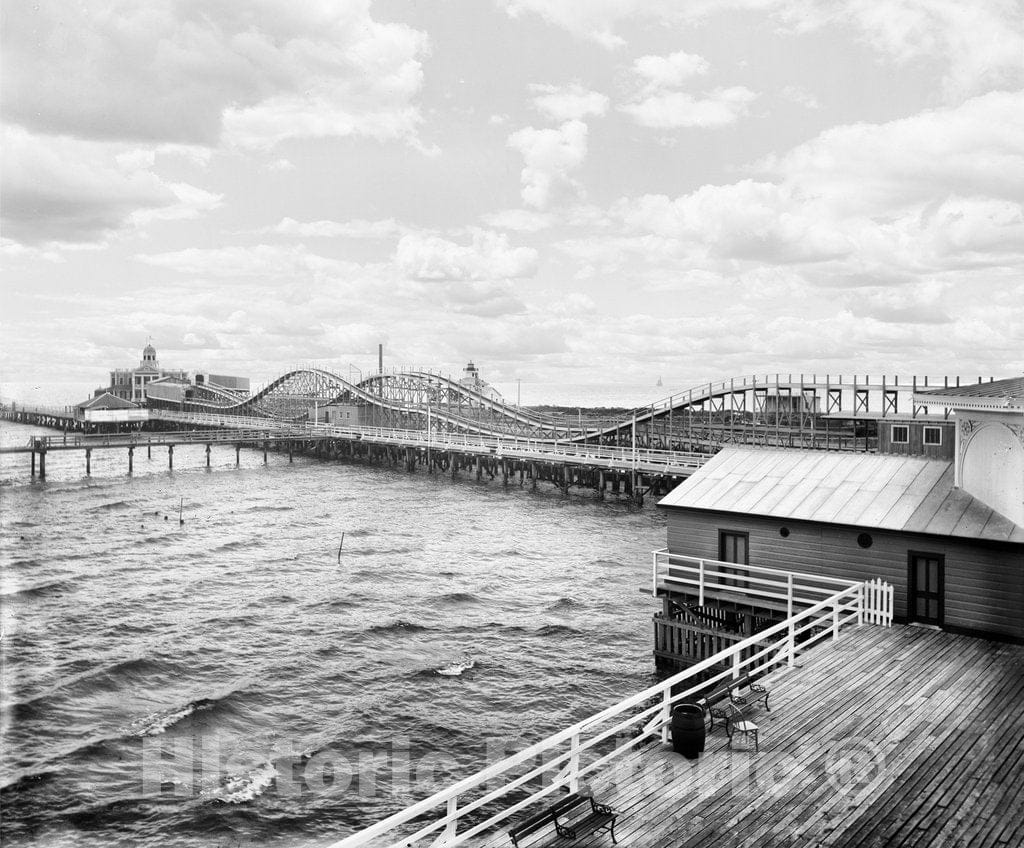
[380, 359]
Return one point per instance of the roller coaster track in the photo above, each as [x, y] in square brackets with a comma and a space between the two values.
[762, 409]
[436, 397]
[401, 393]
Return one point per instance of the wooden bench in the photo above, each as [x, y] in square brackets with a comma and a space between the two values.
[732, 693]
[564, 814]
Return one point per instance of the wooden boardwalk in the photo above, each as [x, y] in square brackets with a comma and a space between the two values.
[904, 736]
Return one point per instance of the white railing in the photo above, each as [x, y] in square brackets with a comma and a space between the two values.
[571, 754]
[701, 576]
[795, 589]
[511, 446]
[57, 411]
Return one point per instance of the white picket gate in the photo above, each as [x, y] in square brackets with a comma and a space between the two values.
[877, 603]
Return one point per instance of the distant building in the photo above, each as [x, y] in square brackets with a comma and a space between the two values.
[340, 414]
[239, 385]
[102, 401]
[167, 384]
[471, 380]
[171, 389]
[130, 383]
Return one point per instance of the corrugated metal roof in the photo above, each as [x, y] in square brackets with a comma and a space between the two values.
[1009, 388]
[860, 490]
[998, 395]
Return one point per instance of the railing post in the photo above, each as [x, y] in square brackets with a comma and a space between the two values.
[654, 574]
[789, 599]
[791, 643]
[862, 592]
[701, 585]
[736, 665]
[452, 826]
[574, 763]
[835, 619]
[666, 713]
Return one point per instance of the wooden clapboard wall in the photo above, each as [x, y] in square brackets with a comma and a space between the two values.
[984, 581]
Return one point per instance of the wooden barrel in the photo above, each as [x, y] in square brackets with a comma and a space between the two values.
[688, 730]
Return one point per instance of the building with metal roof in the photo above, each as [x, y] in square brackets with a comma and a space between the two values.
[948, 534]
[873, 492]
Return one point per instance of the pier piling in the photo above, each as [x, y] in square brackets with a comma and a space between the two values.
[170, 457]
[88, 462]
[207, 455]
[131, 459]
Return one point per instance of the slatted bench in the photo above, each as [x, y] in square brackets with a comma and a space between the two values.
[732, 693]
[565, 815]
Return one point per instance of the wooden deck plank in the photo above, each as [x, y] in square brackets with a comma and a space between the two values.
[928, 767]
[940, 713]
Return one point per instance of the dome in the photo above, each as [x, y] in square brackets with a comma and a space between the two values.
[149, 350]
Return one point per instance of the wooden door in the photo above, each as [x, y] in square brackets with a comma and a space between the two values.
[926, 588]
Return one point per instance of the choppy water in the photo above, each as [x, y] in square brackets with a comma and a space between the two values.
[228, 682]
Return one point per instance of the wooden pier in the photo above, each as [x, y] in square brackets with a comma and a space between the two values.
[630, 471]
[889, 736]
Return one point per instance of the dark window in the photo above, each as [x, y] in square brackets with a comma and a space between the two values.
[900, 434]
[926, 595]
[865, 540]
[784, 532]
[933, 435]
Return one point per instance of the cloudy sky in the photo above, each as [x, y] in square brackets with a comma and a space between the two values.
[565, 191]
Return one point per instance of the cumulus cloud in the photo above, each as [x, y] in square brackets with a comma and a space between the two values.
[979, 230]
[488, 256]
[675, 109]
[871, 204]
[483, 298]
[920, 303]
[359, 229]
[975, 148]
[566, 103]
[660, 104]
[521, 220]
[261, 260]
[747, 220]
[280, 165]
[661, 72]
[550, 156]
[800, 96]
[197, 73]
[595, 21]
[72, 192]
[980, 44]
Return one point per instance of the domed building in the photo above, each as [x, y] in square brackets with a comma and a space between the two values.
[130, 383]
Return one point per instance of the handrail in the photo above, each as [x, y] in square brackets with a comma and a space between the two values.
[242, 428]
[756, 654]
[704, 574]
[503, 446]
